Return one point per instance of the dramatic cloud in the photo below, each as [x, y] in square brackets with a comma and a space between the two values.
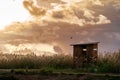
[59, 23]
[77, 12]
[33, 9]
[48, 3]
[74, 12]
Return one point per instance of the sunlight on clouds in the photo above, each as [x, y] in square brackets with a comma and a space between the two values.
[38, 49]
[69, 12]
[103, 19]
[71, 1]
[33, 9]
[96, 2]
[54, 21]
[12, 11]
[73, 13]
[91, 2]
[89, 13]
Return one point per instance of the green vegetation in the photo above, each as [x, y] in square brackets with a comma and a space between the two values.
[109, 63]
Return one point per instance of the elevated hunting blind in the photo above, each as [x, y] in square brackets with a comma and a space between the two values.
[85, 54]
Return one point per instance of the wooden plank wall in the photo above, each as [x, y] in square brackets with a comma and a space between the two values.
[79, 58]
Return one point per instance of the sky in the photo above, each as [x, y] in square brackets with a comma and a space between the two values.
[50, 26]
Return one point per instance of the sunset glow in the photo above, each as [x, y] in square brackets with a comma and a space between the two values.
[12, 11]
[52, 25]
[31, 48]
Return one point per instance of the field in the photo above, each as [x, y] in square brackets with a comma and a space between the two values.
[57, 67]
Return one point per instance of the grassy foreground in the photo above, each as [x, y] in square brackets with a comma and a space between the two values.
[109, 63]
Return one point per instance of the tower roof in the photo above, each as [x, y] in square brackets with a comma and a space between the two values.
[85, 43]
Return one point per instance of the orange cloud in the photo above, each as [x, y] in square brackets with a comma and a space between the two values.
[33, 9]
[75, 13]
[56, 25]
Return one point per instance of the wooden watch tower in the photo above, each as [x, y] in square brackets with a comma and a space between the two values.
[85, 54]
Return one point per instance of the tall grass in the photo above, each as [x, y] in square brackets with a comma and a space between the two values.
[109, 63]
[14, 61]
